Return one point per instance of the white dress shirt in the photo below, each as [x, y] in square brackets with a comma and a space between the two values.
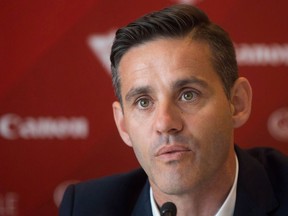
[227, 208]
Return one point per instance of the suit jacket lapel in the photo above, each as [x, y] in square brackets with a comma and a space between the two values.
[254, 190]
[143, 205]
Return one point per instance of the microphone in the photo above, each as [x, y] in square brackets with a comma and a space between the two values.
[168, 209]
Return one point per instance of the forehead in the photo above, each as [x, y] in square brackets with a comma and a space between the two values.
[166, 60]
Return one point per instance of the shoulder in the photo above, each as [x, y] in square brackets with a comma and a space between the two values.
[106, 195]
[113, 184]
[271, 159]
[276, 165]
[263, 172]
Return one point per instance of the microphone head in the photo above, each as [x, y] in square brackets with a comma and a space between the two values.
[168, 209]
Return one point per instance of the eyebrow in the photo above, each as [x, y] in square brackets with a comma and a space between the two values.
[132, 93]
[191, 80]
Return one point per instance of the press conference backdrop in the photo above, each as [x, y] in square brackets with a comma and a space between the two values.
[56, 124]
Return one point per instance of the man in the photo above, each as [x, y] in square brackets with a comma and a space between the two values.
[180, 98]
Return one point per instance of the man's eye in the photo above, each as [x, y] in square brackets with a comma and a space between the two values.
[189, 96]
[143, 103]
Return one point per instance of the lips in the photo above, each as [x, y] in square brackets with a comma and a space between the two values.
[172, 150]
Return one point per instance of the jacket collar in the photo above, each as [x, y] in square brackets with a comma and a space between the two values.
[143, 204]
[255, 195]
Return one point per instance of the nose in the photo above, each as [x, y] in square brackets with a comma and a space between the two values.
[168, 119]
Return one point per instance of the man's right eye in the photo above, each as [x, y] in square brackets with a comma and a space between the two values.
[143, 103]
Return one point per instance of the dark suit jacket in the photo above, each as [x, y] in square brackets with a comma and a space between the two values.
[262, 189]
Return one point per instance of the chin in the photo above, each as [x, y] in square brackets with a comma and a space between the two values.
[174, 185]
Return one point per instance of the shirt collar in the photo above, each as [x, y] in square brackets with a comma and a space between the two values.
[155, 210]
[227, 208]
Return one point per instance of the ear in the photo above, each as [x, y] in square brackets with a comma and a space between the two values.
[241, 101]
[120, 122]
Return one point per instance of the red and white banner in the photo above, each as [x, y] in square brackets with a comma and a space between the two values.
[56, 124]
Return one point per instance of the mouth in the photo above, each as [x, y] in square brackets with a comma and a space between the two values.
[172, 152]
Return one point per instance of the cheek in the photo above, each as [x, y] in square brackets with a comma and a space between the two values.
[138, 135]
[141, 151]
[139, 125]
[214, 139]
[213, 126]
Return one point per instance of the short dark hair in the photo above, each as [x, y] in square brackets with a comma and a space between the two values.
[175, 22]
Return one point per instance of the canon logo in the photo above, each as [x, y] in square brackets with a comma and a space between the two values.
[9, 204]
[278, 124]
[262, 54]
[13, 127]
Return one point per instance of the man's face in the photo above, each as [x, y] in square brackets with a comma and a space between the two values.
[176, 115]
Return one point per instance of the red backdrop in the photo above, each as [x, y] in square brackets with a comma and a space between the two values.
[56, 123]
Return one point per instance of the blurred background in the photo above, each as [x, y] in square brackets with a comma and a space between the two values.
[56, 124]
